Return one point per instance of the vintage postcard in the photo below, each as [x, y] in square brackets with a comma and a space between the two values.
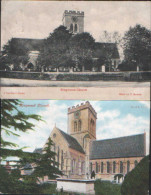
[75, 43]
[95, 147]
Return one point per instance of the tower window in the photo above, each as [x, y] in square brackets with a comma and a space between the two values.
[79, 125]
[71, 27]
[75, 28]
[75, 126]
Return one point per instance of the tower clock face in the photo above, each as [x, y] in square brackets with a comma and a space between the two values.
[77, 114]
[74, 19]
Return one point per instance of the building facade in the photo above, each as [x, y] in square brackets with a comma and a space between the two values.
[79, 153]
[74, 22]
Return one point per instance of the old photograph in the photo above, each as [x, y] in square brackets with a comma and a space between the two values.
[83, 147]
[75, 44]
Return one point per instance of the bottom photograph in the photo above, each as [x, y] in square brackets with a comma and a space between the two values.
[74, 147]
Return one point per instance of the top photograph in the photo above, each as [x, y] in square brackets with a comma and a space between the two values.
[75, 44]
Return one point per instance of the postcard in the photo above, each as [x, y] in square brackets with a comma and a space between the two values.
[75, 43]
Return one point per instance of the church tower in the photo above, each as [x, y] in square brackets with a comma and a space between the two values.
[82, 123]
[74, 21]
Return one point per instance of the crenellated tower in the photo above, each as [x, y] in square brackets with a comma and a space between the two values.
[82, 123]
[74, 21]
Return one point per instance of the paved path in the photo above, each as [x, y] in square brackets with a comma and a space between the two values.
[6, 82]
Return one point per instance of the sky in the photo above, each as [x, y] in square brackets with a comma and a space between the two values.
[114, 119]
[37, 19]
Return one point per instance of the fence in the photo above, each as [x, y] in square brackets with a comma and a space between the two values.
[78, 76]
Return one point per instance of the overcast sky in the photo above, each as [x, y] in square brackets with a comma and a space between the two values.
[36, 19]
[114, 119]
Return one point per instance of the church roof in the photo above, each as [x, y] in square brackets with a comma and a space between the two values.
[38, 150]
[100, 49]
[122, 147]
[30, 44]
[105, 49]
[72, 142]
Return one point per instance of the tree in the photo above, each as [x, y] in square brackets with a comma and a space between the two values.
[81, 48]
[12, 119]
[111, 37]
[14, 53]
[54, 51]
[136, 182]
[46, 165]
[137, 47]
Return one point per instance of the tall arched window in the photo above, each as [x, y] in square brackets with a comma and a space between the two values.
[58, 156]
[75, 126]
[96, 164]
[136, 162]
[75, 28]
[62, 160]
[108, 167]
[102, 166]
[114, 167]
[90, 167]
[121, 167]
[79, 125]
[71, 27]
[128, 166]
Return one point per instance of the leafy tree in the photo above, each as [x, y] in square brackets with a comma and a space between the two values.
[137, 47]
[54, 51]
[136, 182]
[46, 165]
[14, 53]
[81, 48]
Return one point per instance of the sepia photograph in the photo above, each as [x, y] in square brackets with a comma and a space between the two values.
[74, 147]
[75, 44]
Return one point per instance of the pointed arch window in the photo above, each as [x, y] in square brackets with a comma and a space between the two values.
[121, 167]
[108, 167]
[58, 155]
[136, 162]
[75, 126]
[128, 166]
[76, 28]
[71, 27]
[102, 166]
[79, 125]
[96, 164]
[114, 167]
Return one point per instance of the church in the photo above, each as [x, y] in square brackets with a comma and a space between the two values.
[78, 152]
[74, 22]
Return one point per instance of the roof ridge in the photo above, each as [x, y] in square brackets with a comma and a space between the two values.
[118, 137]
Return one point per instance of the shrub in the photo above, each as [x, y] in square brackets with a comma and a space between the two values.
[106, 188]
[136, 182]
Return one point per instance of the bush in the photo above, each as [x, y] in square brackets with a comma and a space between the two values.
[106, 188]
[136, 182]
